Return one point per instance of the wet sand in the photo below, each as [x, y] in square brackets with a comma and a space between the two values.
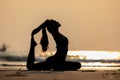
[60, 75]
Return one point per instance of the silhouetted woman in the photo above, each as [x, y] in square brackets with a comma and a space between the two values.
[57, 61]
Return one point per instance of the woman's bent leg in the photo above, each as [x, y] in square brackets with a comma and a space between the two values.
[30, 61]
[31, 55]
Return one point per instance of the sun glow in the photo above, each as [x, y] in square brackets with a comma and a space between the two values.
[109, 55]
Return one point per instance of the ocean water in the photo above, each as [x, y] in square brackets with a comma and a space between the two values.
[17, 60]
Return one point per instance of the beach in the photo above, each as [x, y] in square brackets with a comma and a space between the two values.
[60, 75]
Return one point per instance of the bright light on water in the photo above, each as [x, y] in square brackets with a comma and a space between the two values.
[107, 55]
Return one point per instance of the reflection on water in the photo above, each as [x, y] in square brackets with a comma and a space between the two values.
[100, 66]
[12, 65]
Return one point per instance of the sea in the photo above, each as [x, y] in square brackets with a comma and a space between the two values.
[90, 60]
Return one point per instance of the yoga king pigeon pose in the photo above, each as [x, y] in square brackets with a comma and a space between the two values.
[57, 61]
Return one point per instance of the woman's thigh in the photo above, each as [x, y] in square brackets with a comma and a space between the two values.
[68, 65]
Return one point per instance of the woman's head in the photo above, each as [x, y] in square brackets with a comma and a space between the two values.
[53, 26]
[54, 23]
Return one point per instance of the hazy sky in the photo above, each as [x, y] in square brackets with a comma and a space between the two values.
[89, 24]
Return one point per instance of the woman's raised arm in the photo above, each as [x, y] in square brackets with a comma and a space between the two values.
[36, 30]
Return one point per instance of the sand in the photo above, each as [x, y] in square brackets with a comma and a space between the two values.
[60, 75]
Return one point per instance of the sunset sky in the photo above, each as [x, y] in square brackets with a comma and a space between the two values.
[88, 24]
